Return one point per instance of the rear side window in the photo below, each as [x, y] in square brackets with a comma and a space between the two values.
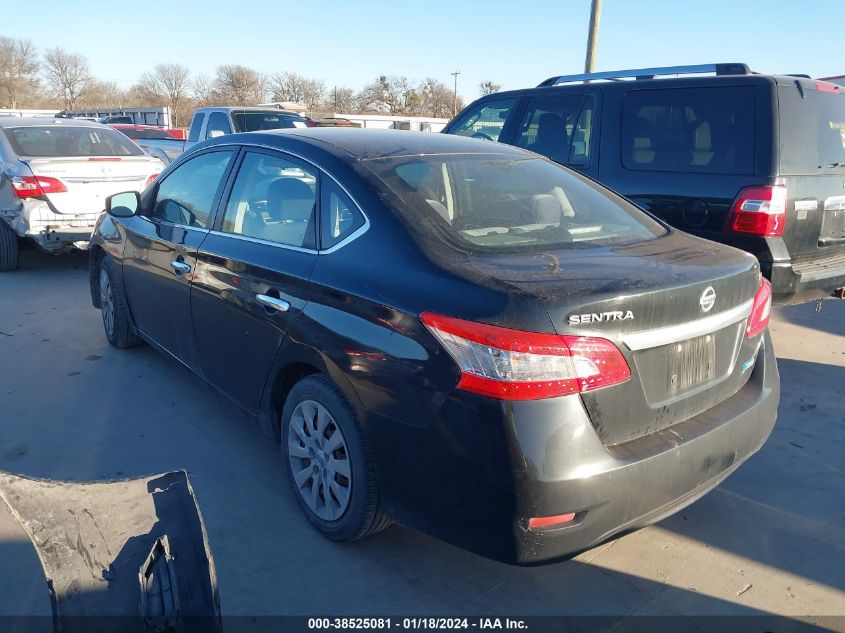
[185, 196]
[61, 141]
[497, 203]
[558, 127]
[340, 217]
[196, 126]
[485, 120]
[273, 199]
[812, 130]
[218, 122]
[690, 130]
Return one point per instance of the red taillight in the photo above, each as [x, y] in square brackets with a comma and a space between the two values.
[826, 86]
[760, 211]
[515, 365]
[150, 180]
[759, 317]
[36, 186]
[104, 159]
[539, 523]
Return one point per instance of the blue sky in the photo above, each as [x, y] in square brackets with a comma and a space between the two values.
[515, 44]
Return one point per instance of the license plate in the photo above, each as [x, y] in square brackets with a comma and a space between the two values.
[692, 363]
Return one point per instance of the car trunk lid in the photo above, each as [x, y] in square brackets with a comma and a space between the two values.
[90, 180]
[676, 306]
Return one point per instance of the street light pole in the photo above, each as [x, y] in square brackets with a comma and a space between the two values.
[455, 75]
[593, 36]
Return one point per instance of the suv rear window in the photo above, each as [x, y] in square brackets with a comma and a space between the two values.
[690, 130]
[506, 203]
[61, 140]
[812, 130]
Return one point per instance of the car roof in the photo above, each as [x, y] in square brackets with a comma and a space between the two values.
[247, 109]
[46, 121]
[362, 144]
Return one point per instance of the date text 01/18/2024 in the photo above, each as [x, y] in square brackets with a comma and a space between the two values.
[416, 623]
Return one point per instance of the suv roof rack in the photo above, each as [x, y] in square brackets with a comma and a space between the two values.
[651, 73]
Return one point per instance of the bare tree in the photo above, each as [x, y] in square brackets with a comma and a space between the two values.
[238, 85]
[202, 88]
[102, 94]
[488, 87]
[340, 100]
[170, 82]
[293, 87]
[394, 95]
[438, 100]
[18, 70]
[67, 75]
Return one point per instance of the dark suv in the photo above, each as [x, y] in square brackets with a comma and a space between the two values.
[754, 161]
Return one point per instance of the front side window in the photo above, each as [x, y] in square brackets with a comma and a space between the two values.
[218, 125]
[187, 194]
[506, 203]
[60, 141]
[196, 127]
[690, 130]
[273, 199]
[486, 120]
[558, 127]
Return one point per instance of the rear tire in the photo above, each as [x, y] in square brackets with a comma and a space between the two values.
[116, 321]
[322, 443]
[9, 248]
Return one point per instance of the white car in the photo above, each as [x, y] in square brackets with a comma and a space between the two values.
[56, 175]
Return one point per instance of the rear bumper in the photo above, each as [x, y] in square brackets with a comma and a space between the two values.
[805, 281]
[479, 495]
[49, 230]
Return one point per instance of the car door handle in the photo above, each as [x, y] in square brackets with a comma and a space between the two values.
[273, 303]
[180, 267]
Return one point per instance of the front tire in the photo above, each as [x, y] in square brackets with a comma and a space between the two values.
[328, 462]
[9, 248]
[116, 321]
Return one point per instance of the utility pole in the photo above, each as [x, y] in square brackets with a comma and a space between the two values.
[593, 36]
[455, 75]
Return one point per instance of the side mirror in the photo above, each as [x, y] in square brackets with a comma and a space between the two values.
[123, 205]
[216, 133]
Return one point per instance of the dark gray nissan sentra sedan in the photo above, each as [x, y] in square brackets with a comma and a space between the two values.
[459, 336]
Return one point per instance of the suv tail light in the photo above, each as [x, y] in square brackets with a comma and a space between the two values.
[760, 211]
[36, 186]
[515, 365]
[759, 317]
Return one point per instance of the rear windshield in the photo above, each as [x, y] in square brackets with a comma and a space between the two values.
[812, 130]
[498, 203]
[60, 140]
[690, 130]
[144, 133]
[255, 121]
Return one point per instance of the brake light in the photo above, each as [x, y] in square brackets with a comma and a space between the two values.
[515, 365]
[826, 86]
[150, 180]
[102, 159]
[36, 186]
[760, 309]
[760, 211]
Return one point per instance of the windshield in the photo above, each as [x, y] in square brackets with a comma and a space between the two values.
[255, 121]
[501, 203]
[60, 140]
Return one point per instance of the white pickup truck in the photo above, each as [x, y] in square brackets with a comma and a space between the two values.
[213, 122]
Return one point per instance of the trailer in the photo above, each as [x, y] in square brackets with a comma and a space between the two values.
[391, 122]
[160, 117]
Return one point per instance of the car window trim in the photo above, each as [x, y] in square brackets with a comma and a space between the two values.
[321, 173]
